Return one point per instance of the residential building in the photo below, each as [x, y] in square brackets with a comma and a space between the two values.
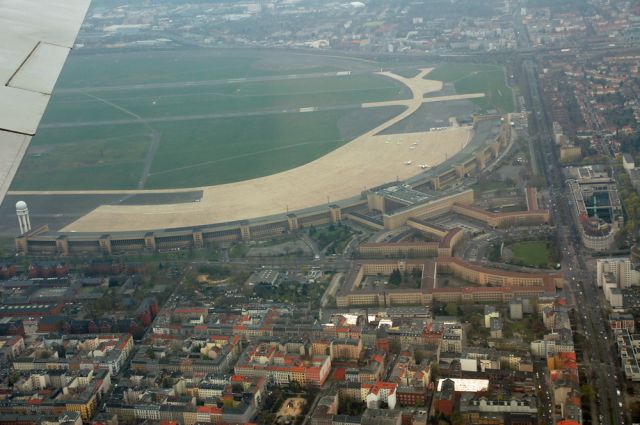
[281, 367]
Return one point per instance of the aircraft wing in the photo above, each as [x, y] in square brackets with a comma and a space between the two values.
[35, 39]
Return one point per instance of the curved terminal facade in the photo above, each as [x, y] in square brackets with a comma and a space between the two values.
[434, 191]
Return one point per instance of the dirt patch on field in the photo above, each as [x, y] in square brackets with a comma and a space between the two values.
[292, 407]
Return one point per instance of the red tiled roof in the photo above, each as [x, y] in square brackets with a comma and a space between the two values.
[446, 241]
[190, 310]
[209, 409]
[339, 374]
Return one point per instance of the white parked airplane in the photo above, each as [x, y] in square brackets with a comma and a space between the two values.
[36, 38]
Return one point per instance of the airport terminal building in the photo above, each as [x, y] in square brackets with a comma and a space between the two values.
[434, 191]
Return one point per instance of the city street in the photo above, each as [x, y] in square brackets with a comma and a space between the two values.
[580, 286]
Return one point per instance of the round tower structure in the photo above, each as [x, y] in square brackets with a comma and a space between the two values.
[23, 217]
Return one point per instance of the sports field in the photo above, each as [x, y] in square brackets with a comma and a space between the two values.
[474, 78]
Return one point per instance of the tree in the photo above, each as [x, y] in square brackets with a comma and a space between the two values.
[351, 407]
[394, 346]
[62, 352]
[295, 387]
[588, 391]
[13, 377]
[395, 278]
[451, 309]
[494, 253]
[435, 370]
[44, 354]
[176, 347]
[416, 273]
[456, 418]
[266, 417]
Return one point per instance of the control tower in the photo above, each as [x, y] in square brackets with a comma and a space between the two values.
[23, 217]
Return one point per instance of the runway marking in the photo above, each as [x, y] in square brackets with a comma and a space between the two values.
[153, 146]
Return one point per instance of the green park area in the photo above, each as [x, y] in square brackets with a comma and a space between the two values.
[406, 280]
[478, 78]
[494, 188]
[527, 329]
[331, 239]
[238, 250]
[292, 292]
[531, 253]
